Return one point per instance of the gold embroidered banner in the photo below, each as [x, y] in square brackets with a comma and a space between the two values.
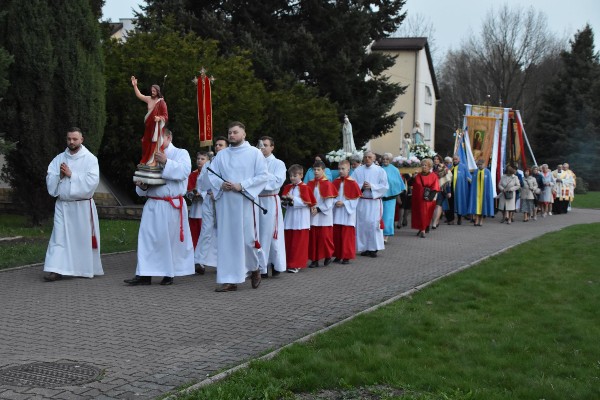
[481, 135]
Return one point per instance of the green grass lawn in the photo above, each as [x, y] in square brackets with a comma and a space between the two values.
[588, 200]
[522, 325]
[115, 235]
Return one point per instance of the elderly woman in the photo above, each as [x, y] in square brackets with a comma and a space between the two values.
[422, 208]
[507, 188]
[546, 199]
[528, 192]
[396, 186]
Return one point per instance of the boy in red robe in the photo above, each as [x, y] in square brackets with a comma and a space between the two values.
[320, 244]
[297, 198]
[344, 215]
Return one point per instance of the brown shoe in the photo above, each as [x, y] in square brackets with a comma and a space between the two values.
[52, 277]
[200, 269]
[226, 287]
[255, 278]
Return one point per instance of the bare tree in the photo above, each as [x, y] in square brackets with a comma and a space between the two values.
[419, 25]
[510, 60]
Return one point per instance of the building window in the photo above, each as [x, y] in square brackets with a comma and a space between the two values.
[428, 95]
[427, 131]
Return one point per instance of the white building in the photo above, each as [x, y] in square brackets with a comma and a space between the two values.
[413, 68]
[119, 30]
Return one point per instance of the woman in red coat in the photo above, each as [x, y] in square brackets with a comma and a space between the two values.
[422, 210]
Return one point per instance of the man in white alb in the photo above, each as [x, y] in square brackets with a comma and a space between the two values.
[74, 247]
[243, 172]
[205, 254]
[271, 224]
[165, 245]
[373, 182]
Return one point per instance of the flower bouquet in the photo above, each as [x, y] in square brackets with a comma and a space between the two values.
[421, 151]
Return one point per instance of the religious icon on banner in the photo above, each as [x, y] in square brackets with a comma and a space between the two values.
[204, 100]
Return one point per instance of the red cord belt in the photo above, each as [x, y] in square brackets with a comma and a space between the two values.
[180, 208]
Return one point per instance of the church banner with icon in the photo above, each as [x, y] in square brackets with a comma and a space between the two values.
[481, 135]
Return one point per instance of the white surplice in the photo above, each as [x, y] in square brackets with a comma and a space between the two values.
[70, 249]
[160, 249]
[297, 215]
[237, 217]
[325, 216]
[369, 235]
[271, 224]
[345, 215]
[206, 249]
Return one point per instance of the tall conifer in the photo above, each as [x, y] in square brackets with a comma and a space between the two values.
[56, 81]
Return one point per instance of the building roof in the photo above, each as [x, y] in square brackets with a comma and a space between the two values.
[408, 44]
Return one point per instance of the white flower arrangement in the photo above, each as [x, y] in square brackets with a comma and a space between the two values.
[339, 155]
[402, 161]
[421, 151]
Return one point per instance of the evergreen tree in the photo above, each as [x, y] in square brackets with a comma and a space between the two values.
[320, 43]
[56, 82]
[569, 127]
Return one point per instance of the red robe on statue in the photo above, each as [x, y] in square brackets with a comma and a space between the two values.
[153, 132]
[422, 210]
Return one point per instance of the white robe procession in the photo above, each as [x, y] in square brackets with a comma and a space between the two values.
[237, 217]
[161, 252]
[345, 215]
[70, 249]
[271, 224]
[206, 249]
[369, 235]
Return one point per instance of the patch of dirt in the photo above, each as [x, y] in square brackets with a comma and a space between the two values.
[378, 392]
[22, 240]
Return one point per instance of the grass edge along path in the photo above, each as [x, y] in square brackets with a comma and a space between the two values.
[115, 236]
[522, 324]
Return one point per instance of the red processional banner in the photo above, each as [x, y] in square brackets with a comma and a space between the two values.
[204, 99]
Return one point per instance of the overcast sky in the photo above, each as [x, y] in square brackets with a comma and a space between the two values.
[453, 20]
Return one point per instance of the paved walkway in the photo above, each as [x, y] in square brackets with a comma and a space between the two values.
[151, 339]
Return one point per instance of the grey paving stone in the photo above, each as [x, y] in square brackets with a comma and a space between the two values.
[151, 339]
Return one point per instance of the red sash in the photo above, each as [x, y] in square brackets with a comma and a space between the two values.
[180, 208]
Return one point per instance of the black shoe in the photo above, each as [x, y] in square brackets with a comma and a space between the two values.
[373, 254]
[459, 222]
[135, 278]
[199, 268]
[427, 230]
[327, 261]
[365, 253]
[404, 222]
[422, 234]
[167, 280]
[314, 264]
[336, 260]
[345, 261]
[273, 272]
[139, 280]
[264, 276]
[53, 277]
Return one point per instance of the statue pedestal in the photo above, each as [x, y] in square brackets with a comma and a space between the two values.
[149, 175]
